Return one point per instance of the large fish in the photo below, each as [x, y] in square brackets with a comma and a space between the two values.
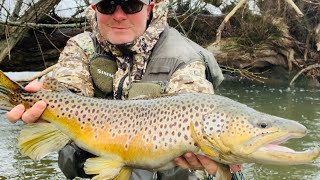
[150, 133]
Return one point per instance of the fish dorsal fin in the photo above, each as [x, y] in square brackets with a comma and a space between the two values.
[54, 85]
[107, 167]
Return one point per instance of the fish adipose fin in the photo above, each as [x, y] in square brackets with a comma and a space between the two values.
[111, 167]
[40, 139]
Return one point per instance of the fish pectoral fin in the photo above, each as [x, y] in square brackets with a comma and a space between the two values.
[37, 140]
[105, 167]
[204, 148]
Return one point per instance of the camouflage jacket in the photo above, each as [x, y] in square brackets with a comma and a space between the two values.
[73, 66]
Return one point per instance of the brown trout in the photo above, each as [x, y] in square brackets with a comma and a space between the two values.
[150, 133]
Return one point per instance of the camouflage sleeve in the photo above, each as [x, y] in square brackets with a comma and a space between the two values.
[72, 69]
[190, 78]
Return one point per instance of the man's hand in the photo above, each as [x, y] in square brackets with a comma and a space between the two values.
[32, 114]
[200, 162]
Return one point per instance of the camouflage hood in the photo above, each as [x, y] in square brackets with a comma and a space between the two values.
[141, 47]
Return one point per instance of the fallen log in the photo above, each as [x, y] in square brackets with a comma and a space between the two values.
[13, 33]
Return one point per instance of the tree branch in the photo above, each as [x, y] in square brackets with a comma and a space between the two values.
[16, 10]
[226, 19]
[39, 75]
[87, 2]
[313, 66]
[36, 25]
[295, 7]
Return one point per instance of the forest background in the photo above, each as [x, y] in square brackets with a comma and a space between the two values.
[258, 41]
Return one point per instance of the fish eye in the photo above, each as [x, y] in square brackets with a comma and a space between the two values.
[262, 125]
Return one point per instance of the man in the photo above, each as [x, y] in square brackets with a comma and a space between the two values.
[130, 52]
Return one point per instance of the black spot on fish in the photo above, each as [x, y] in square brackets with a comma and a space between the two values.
[185, 137]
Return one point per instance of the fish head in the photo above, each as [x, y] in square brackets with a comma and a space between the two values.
[241, 134]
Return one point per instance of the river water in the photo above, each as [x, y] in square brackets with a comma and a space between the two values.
[300, 104]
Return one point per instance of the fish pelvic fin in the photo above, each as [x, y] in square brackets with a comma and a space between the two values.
[223, 172]
[124, 174]
[10, 93]
[37, 140]
[109, 167]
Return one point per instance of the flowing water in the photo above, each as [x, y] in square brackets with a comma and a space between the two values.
[300, 104]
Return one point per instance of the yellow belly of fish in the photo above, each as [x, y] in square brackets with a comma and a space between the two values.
[134, 151]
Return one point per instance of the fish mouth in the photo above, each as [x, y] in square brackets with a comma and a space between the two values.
[272, 152]
[274, 145]
[276, 142]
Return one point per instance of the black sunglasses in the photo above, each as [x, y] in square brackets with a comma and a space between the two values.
[127, 6]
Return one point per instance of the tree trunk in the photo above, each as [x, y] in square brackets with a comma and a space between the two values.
[14, 34]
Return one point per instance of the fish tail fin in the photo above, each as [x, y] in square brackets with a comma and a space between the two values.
[111, 167]
[39, 139]
[10, 93]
